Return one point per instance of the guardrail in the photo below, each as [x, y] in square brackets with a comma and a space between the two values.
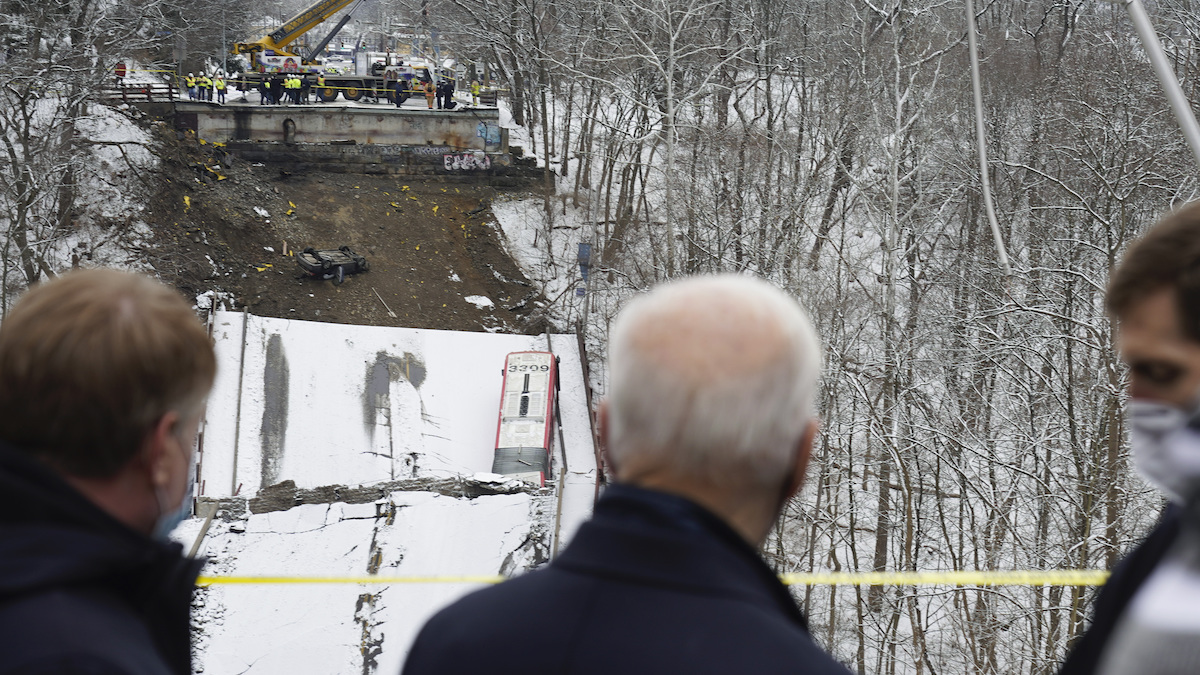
[134, 92]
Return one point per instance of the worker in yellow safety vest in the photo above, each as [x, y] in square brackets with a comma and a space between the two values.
[205, 87]
[219, 87]
[320, 86]
[474, 92]
[190, 82]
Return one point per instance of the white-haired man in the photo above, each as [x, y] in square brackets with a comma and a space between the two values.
[708, 428]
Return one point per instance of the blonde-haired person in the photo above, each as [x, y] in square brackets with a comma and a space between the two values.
[708, 426]
[103, 378]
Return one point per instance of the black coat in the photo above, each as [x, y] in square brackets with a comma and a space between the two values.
[1114, 597]
[651, 584]
[81, 593]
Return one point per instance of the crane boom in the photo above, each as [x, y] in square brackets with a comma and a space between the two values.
[293, 28]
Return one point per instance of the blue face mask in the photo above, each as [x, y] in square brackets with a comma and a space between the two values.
[169, 518]
[168, 521]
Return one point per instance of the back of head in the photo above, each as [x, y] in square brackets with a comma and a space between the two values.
[711, 379]
[91, 360]
[1167, 256]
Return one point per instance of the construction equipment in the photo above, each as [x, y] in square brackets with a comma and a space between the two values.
[277, 42]
[373, 74]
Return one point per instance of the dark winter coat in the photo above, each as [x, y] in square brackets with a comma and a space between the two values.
[81, 593]
[1122, 585]
[651, 584]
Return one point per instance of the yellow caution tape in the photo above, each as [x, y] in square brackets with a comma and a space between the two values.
[210, 581]
[949, 578]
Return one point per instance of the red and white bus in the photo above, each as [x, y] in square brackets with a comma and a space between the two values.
[528, 395]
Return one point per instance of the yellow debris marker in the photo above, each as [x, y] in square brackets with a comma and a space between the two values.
[435, 209]
[187, 202]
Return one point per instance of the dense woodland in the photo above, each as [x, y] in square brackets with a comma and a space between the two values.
[971, 420]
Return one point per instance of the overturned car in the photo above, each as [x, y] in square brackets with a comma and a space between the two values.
[333, 264]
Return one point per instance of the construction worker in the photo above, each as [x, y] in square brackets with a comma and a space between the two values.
[320, 86]
[430, 91]
[474, 92]
[190, 82]
[277, 90]
[205, 87]
[219, 87]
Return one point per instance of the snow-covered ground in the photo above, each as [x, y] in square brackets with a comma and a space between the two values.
[328, 413]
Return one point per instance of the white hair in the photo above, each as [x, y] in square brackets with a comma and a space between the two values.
[712, 378]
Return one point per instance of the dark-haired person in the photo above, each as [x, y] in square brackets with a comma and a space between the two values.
[709, 424]
[103, 378]
[1147, 617]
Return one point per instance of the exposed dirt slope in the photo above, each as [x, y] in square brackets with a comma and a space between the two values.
[429, 244]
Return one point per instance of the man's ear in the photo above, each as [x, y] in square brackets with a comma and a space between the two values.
[602, 430]
[803, 454]
[156, 445]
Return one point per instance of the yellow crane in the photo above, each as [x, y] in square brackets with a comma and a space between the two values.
[270, 54]
[293, 28]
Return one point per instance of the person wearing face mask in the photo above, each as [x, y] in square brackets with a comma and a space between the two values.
[103, 378]
[708, 428]
[1147, 617]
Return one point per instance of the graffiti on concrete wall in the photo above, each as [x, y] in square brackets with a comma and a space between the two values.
[429, 149]
[467, 162]
[490, 133]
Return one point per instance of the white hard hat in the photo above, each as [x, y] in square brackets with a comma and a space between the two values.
[191, 74]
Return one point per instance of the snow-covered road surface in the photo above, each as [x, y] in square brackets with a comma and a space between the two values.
[327, 413]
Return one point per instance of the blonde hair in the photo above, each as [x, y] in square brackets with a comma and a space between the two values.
[90, 361]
